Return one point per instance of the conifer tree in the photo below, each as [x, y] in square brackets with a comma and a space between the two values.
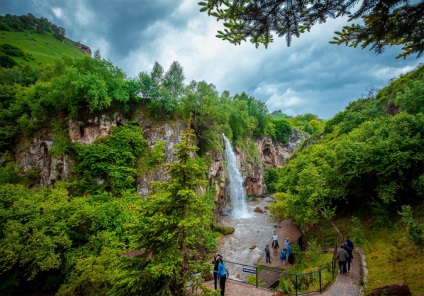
[175, 228]
[384, 23]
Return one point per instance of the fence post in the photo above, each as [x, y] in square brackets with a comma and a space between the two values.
[320, 281]
[296, 285]
[256, 276]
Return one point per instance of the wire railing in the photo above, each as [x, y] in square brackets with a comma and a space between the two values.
[289, 283]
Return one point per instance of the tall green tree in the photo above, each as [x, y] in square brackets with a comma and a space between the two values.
[259, 111]
[174, 227]
[173, 80]
[203, 101]
[384, 23]
[282, 130]
[157, 88]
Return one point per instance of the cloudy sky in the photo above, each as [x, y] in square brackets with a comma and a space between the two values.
[310, 76]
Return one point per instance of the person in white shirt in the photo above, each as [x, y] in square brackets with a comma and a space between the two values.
[275, 240]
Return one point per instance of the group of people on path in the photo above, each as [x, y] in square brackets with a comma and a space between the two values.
[286, 253]
[219, 273]
[345, 256]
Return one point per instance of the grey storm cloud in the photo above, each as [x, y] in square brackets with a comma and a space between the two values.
[310, 76]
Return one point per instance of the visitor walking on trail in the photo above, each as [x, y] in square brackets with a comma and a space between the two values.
[349, 242]
[350, 258]
[286, 243]
[215, 270]
[283, 255]
[222, 275]
[267, 254]
[300, 243]
[342, 256]
[275, 240]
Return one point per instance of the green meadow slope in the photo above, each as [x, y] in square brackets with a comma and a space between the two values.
[39, 49]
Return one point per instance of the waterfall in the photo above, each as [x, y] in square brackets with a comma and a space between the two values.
[238, 198]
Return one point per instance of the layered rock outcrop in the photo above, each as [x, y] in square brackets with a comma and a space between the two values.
[36, 155]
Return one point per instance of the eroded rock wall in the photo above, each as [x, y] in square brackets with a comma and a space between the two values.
[269, 155]
[34, 154]
[275, 155]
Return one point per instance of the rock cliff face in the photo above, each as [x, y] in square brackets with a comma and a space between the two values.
[82, 47]
[34, 155]
[271, 155]
[275, 155]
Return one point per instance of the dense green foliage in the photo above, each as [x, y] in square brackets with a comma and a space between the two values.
[383, 23]
[282, 130]
[30, 23]
[112, 159]
[271, 179]
[371, 155]
[174, 229]
[48, 237]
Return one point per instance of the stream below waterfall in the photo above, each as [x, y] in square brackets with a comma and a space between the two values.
[245, 248]
[256, 230]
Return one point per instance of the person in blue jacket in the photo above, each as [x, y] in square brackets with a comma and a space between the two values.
[283, 256]
[222, 275]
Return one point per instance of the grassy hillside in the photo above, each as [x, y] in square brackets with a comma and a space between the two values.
[39, 49]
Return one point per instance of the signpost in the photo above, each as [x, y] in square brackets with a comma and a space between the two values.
[249, 270]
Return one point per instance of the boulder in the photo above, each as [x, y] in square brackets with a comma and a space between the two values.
[400, 289]
[258, 210]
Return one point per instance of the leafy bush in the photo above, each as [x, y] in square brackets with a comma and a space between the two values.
[282, 130]
[415, 229]
[110, 162]
[271, 179]
[11, 50]
[7, 61]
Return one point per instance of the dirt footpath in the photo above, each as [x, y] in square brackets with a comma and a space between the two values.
[284, 229]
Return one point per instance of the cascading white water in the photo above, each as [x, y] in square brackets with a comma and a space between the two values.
[238, 198]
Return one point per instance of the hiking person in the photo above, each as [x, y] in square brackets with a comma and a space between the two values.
[342, 256]
[286, 243]
[222, 275]
[300, 243]
[349, 242]
[215, 270]
[350, 258]
[283, 256]
[275, 240]
[267, 254]
[289, 252]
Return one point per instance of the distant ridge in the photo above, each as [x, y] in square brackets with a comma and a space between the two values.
[36, 37]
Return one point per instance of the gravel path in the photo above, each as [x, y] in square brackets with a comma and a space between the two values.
[345, 285]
